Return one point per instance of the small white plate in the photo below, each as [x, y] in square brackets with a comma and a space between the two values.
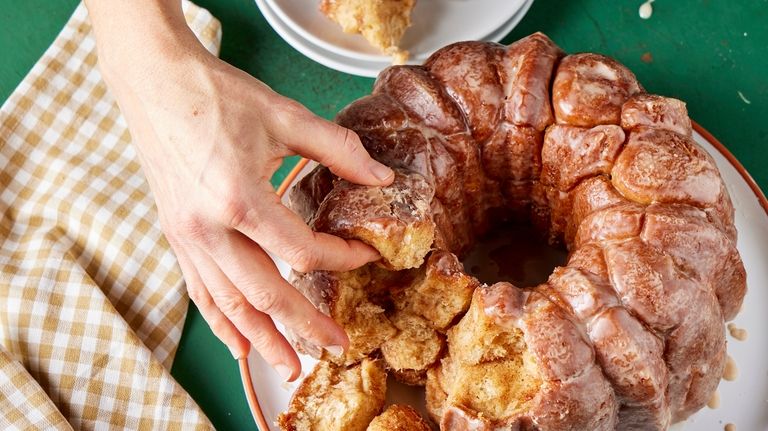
[435, 23]
[742, 402]
[351, 65]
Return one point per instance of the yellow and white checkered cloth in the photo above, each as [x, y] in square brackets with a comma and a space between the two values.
[92, 302]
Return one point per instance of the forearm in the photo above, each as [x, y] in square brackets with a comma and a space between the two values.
[209, 136]
[137, 39]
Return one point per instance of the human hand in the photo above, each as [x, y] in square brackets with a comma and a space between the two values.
[209, 138]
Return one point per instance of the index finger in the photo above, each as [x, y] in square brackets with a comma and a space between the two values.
[254, 274]
[334, 146]
[283, 233]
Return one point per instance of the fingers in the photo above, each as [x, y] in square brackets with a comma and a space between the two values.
[219, 323]
[256, 326]
[249, 268]
[283, 233]
[334, 146]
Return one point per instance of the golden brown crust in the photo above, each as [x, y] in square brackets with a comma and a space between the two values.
[421, 97]
[513, 154]
[614, 223]
[468, 73]
[526, 74]
[661, 166]
[433, 114]
[571, 154]
[632, 359]
[650, 110]
[700, 250]
[590, 196]
[590, 89]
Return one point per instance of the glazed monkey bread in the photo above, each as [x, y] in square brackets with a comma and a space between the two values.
[483, 133]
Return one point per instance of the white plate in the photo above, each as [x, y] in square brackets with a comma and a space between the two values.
[357, 66]
[742, 402]
[436, 23]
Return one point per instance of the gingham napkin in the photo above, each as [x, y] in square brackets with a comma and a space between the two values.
[92, 302]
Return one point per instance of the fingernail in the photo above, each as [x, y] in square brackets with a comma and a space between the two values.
[283, 371]
[335, 351]
[382, 172]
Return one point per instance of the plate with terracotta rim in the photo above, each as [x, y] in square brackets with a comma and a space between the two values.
[740, 402]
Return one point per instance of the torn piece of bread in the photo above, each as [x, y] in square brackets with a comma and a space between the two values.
[414, 349]
[399, 417]
[424, 309]
[381, 22]
[394, 219]
[351, 299]
[441, 291]
[337, 398]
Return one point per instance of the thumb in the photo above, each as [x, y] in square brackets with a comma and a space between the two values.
[334, 146]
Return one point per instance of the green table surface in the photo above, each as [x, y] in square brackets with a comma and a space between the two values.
[704, 52]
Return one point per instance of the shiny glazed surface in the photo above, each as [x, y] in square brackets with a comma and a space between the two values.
[644, 180]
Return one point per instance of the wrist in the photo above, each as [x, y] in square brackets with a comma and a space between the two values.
[151, 66]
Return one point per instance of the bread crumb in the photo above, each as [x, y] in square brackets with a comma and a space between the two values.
[736, 332]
